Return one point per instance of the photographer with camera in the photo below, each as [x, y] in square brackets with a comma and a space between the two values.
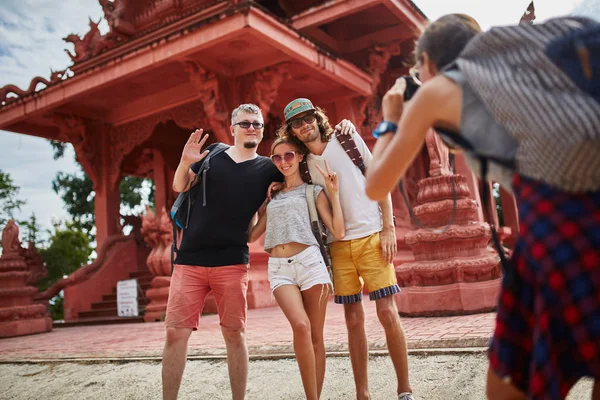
[510, 100]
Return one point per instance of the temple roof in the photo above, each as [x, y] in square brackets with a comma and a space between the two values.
[160, 54]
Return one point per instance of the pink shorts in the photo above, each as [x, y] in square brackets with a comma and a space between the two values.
[190, 285]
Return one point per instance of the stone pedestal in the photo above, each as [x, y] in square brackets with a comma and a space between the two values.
[19, 315]
[454, 271]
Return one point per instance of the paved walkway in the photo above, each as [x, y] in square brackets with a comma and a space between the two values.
[267, 333]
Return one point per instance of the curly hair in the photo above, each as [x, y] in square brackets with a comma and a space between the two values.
[325, 129]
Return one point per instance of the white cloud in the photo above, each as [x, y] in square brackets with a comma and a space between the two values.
[501, 12]
[30, 44]
[29, 162]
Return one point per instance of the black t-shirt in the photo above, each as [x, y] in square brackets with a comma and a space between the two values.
[217, 233]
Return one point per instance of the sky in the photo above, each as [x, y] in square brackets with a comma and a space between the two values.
[30, 44]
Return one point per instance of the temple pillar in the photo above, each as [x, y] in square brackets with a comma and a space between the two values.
[161, 182]
[454, 271]
[106, 210]
[107, 201]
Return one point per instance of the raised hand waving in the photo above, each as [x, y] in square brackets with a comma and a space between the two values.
[192, 151]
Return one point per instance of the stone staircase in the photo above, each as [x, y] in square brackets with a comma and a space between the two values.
[105, 311]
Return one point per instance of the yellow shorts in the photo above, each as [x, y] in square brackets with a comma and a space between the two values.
[357, 261]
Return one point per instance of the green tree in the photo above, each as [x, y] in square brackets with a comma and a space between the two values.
[31, 231]
[76, 191]
[10, 204]
[69, 248]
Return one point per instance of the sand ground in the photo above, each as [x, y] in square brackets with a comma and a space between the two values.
[433, 377]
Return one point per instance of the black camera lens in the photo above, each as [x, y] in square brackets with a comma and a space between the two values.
[412, 85]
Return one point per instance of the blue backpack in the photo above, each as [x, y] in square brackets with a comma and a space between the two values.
[182, 207]
[578, 56]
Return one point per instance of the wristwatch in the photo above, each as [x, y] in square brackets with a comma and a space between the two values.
[383, 128]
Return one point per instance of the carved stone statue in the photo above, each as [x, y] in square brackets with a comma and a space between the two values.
[73, 130]
[207, 85]
[92, 43]
[266, 86]
[11, 245]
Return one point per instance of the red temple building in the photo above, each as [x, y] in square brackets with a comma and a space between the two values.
[165, 67]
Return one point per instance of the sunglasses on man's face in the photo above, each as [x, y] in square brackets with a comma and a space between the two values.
[288, 157]
[246, 125]
[297, 122]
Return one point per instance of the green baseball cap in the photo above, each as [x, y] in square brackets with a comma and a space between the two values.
[296, 107]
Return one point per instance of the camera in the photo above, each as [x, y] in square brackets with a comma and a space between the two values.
[412, 84]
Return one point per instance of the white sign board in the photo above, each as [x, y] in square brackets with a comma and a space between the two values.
[127, 302]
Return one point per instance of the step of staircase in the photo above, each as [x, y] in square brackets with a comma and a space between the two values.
[98, 321]
[113, 304]
[143, 288]
[105, 312]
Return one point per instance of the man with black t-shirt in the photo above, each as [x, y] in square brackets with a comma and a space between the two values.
[213, 255]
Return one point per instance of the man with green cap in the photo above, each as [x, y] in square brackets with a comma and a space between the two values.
[365, 255]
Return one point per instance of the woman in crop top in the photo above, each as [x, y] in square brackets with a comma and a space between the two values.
[297, 272]
[547, 333]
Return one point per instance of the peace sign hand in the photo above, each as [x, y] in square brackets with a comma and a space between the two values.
[192, 150]
[331, 179]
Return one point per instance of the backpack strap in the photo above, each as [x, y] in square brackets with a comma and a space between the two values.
[509, 273]
[315, 225]
[304, 172]
[201, 174]
[206, 166]
[312, 211]
[349, 146]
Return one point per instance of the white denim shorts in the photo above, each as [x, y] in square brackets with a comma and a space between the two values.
[305, 270]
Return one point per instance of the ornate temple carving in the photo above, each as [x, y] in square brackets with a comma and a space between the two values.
[73, 130]
[55, 76]
[266, 84]
[189, 116]
[369, 109]
[207, 85]
[144, 163]
[125, 138]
